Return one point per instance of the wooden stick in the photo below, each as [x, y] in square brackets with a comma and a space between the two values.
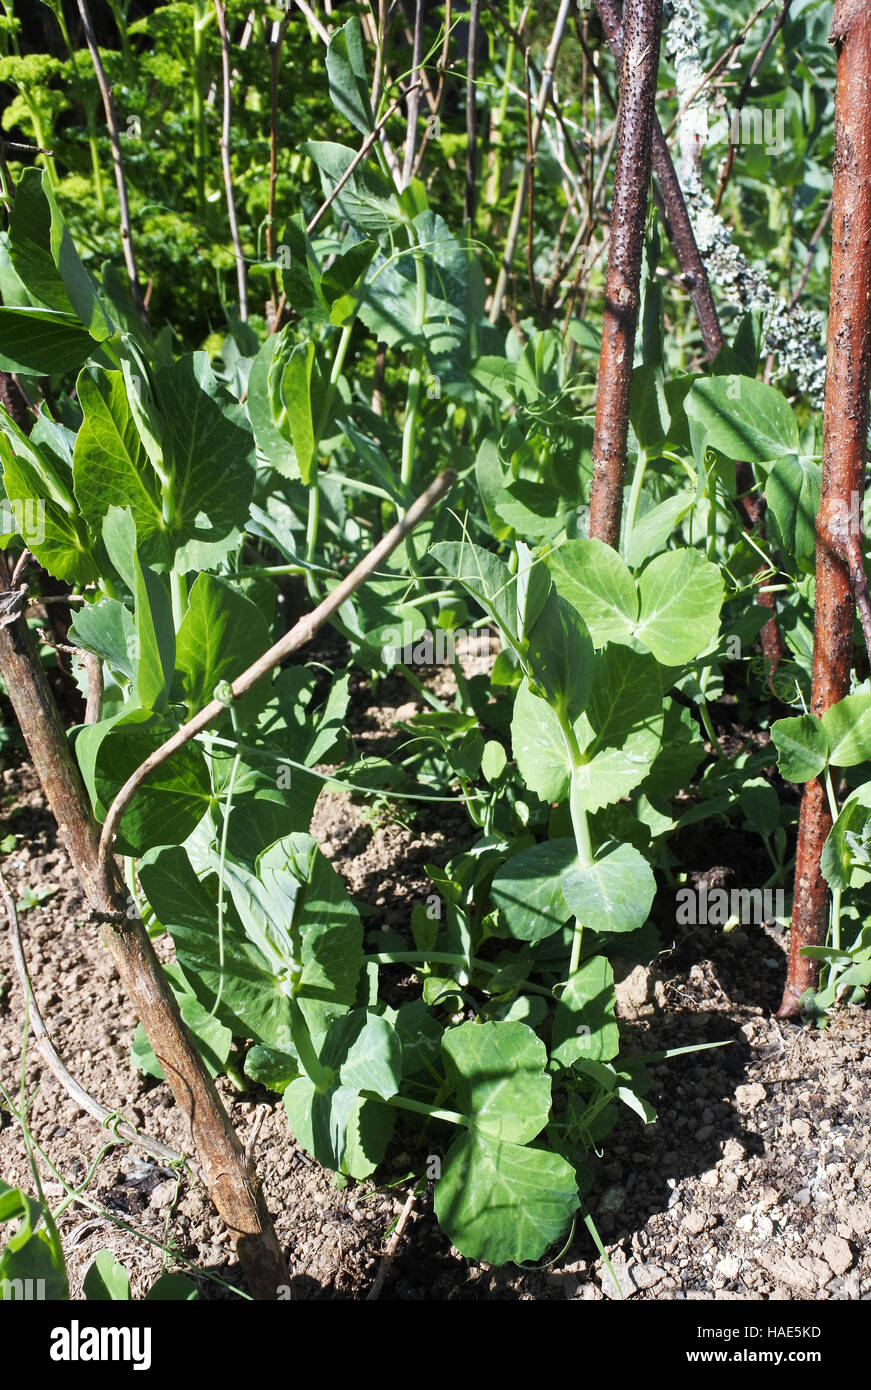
[241, 278]
[641, 25]
[231, 1182]
[302, 632]
[58, 1067]
[845, 427]
[117, 160]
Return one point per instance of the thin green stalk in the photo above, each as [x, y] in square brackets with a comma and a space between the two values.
[198, 80]
[321, 1077]
[634, 496]
[450, 958]
[420, 1107]
[314, 497]
[579, 822]
[497, 134]
[178, 590]
[228, 807]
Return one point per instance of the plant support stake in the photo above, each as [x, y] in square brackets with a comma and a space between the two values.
[845, 427]
[641, 33]
[299, 634]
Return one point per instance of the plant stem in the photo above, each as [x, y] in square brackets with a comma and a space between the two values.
[420, 1107]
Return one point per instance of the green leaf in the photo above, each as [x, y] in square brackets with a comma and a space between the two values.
[108, 630]
[367, 198]
[792, 493]
[271, 1068]
[346, 71]
[648, 409]
[31, 1253]
[560, 656]
[493, 761]
[760, 804]
[365, 1053]
[500, 1202]
[486, 578]
[584, 1024]
[539, 749]
[111, 465]
[296, 396]
[47, 525]
[802, 747]
[681, 594]
[655, 527]
[272, 444]
[528, 889]
[155, 639]
[391, 308]
[106, 1280]
[220, 636]
[44, 257]
[172, 1288]
[41, 342]
[847, 726]
[614, 894]
[742, 418]
[592, 577]
[340, 1128]
[253, 999]
[846, 858]
[499, 1078]
[171, 802]
[620, 731]
[680, 754]
[211, 452]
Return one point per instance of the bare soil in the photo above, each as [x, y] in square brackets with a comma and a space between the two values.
[755, 1183]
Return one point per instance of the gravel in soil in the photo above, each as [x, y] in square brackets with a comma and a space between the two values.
[755, 1183]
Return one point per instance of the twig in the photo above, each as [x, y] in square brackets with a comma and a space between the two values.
[544, 91]
[322, 33]
[225, 161]
[723, 59]
[812, 246]
[93, 670]
[260, 1116]
[354, 165]
[85, 1101]
[336, 190]
[117, 160]
[390, 1252]
[413, 97]
[302, 632]
[729, 162]
[279, 29]
[471, 195]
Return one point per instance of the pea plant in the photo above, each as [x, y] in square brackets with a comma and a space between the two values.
[629, 515]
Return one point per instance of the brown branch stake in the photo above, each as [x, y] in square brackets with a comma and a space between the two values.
[695, 276]
[845, 426]
[299, 634]
[231, 1182]
[117, 160]
[642, 22]
[226, 1170]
